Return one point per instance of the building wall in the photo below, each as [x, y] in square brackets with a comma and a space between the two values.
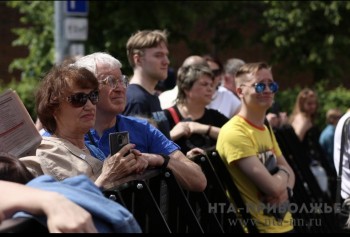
[9, 18]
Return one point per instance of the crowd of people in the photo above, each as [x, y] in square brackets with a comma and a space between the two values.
[213, 106]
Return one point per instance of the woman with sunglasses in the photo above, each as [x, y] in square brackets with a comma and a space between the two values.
[66, 106]
[252, 155]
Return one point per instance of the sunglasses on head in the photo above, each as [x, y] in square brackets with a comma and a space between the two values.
[260, 87]
[79, 99]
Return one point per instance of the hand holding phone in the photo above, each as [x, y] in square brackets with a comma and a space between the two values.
[117, 140]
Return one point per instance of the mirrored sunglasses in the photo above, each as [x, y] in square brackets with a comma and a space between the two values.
[260, 87]
[79, 99]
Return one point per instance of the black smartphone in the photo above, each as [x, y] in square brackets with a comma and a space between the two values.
[117, 140]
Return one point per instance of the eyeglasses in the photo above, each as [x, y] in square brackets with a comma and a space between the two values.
[216, 72]
[79, 99]
[260, 87]
[112, 82]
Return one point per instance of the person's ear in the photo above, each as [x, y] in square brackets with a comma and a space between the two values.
[137, 59]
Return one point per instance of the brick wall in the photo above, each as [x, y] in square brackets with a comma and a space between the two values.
[9, 18]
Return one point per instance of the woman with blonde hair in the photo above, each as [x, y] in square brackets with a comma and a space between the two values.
[302, 120]
[304, 112]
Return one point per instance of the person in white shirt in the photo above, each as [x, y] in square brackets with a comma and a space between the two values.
[168, 98]
[231, 67]
[223, 99]
[345, 179]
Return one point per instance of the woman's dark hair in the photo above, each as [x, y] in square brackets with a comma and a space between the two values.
[214, 59]
[54, 88]
[13, 170]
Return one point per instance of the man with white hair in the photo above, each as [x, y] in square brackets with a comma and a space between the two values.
[231, 67]
[156, 149]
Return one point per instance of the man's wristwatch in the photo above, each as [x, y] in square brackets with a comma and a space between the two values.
[290, 192]
[166, 161]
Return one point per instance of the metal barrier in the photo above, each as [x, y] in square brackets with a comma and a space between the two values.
[152, 196]
[307, 191]
[134, 193]
[160, 205]
[216, 194]
[228, 184]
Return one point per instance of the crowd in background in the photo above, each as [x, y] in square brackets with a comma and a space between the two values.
[228, 107]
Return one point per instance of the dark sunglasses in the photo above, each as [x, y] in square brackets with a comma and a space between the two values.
[79, 99]
[260, 87]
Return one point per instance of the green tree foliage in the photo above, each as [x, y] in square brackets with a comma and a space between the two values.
[213, 22]
[309, 35]
[338, 97]
[296, 36]
[37, 35]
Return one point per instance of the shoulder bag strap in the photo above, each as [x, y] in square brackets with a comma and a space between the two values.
[266, 122]
[174, 114]
[344, 136]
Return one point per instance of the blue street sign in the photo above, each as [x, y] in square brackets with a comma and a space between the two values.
[77, 8]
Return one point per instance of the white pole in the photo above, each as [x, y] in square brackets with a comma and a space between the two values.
[61, 44]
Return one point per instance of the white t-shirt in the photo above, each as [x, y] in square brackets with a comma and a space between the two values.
[167, 98]
[225, 102]
[345, 179]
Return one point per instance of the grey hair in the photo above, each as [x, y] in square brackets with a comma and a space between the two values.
[90, 61]
[232, 65]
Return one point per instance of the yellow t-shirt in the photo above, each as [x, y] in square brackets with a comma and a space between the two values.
[238, 139]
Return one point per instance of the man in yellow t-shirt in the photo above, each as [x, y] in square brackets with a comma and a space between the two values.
[251, 153]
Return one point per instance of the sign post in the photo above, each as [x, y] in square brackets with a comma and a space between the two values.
[71, 28]
[76, 28]
[77, 8]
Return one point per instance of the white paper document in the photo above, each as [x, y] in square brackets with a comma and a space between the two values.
[18, 134]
